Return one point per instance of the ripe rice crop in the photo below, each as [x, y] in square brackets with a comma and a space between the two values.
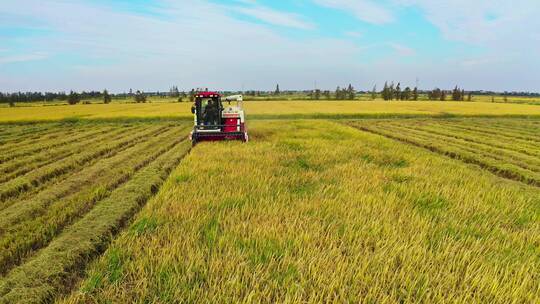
[509, 148]
[320, 211]
[273, 109]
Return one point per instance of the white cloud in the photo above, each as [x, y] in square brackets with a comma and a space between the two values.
[501, 24]
[21, 58]
[274, 17]
[402, 50]
[365, 10]
[192, 44]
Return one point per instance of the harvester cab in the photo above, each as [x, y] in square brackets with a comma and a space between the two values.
[216, 122]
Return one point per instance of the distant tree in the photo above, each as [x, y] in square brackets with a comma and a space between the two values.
[277, 91]
[173, 92]
[140, 97]
[374, 93]
[391, 91]
[435, 94]
[406, 95]
[415, 93]
[73, 98]
[505, 98]
[469, 98]
[351, 94]
[11, 102]
[130, 92]
[327, 95]
[317, 94]
[338, 93]
[397, 92]
[462, 95]
[455, 94]
[106, 97]
[492, 98]
[443, 95]
[386, 92]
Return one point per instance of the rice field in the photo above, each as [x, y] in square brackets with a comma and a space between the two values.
[272, 110]
[321, 211]
[426, 210]
[66, 188]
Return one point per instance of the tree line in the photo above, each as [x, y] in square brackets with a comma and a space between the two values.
[389, 92]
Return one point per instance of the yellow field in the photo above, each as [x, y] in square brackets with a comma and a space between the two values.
[269, 108]
[318, 212]
[392, 210]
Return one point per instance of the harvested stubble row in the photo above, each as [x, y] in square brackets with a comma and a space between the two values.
[525, 130]
[30, 141]
[72, 164]
[30, 151]
[55, 266]
[502, 155]
[498, 132]
[503, 161]
[30, 225]
[35, 160]
[318, 212]
[10, 132]
[524, 148]
[528, 147]
[495, 165]
[16, 132]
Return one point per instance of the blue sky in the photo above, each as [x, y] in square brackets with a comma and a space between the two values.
[254, 44]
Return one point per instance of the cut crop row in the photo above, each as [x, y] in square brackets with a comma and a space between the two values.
[24, 165]
[33, 179]
[522, 146]
[455, 145]
[55, 266]
[503, 154]
[530, 126]
[16, 133]
[31, 150]
[37, 139]
[38, 203]
[508, 135]
[35, 225]
[499, 155]
[497, 167]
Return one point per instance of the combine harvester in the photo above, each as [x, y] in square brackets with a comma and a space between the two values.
[213, 122]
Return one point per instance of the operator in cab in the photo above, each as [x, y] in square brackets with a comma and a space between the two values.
[210, 113]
